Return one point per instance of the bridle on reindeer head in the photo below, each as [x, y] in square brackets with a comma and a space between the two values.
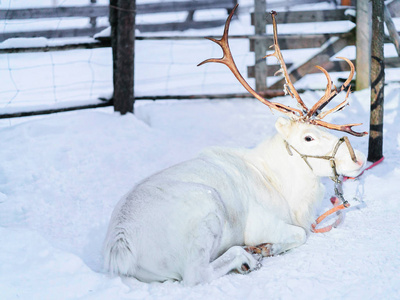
[304, 114]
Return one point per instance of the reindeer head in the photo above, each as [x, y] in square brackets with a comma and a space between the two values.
[319, 148]
[308, 136]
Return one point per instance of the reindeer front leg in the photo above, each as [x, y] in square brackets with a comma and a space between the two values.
[290, 236]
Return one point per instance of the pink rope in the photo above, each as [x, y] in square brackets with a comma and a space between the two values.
[370, 167]
[336, 207]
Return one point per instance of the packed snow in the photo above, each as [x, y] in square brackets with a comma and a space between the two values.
[62, 174]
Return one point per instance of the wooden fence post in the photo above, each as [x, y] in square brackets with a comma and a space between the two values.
[375, 150]
[93, 20]
[122, 20]
[260, 45]
[113, 19]
[363, 44]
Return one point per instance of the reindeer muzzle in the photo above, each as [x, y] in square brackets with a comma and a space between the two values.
[331, 158]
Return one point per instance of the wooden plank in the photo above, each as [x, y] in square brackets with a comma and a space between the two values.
[187, 37]
[179, 26]
[260, 46]
[272, 69]
[394, 8]
[290, 3]
[392, 62]
[342, 66]
[266, 94]
[307, 16]
[89, 45]
[322, 58]
[297, 41]
[61, 33]
[149, 8]
[103, 10]
[53, 110]
[392, 30]
[105, 42]
[54, 12]
[336, 66]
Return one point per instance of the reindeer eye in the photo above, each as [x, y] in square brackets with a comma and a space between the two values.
[308, 138]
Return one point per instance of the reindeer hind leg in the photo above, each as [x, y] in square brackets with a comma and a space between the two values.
[202, 267]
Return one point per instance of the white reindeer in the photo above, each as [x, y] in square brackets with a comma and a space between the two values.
[200, 219]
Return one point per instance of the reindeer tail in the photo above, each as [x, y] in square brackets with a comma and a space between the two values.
[119, 254]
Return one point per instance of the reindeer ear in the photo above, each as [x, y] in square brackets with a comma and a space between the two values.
[283, 126]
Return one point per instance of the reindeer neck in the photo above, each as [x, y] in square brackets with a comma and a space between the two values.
[300, 187]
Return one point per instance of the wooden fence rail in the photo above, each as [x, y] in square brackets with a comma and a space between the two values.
[103, 10]
[307, 16]
[95, 11]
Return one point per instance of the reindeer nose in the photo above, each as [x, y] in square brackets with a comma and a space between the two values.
[360, 162]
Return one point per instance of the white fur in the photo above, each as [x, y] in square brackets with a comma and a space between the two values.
[189, 221]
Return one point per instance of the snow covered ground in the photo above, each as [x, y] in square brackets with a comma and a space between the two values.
[61, 176]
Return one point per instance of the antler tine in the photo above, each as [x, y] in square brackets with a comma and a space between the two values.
[223, 43]
[321, 104]
[289, 87]
[324, 98]
[227, 60]
[345, 128]
[329, 95]
[337, 108]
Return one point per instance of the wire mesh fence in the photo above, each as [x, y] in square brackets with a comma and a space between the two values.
[36, 75]
[165, 62]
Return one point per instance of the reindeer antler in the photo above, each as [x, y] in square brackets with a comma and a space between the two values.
[313, 115]
[227, 60]
[329, 95]
[288, 87]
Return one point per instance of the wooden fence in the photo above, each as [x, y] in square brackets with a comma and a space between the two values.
[94, 11]
[328, 44]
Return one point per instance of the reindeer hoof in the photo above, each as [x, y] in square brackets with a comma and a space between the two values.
[245, 268]
[264, 250]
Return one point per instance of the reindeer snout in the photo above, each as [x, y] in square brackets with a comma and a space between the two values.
[360, 158]
[346, 166]
[358, 165]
